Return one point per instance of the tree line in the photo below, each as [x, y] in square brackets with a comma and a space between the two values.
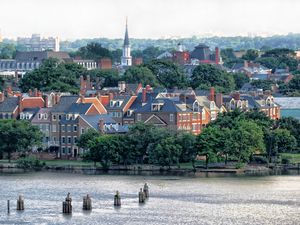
[234, 136]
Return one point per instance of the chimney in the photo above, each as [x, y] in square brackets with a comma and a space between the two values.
[245, 63]
[217, 55]
[40, 94]
[219, 100]
[144, 95]
[1, 96]
[30, 92]
[88, 82]
[35, 92]
[9, 91]
[211, 96]
[81, 99]
[20, 104]
[236, 96]
[16, 77]
[46, 101]
[57, 98]
[148, 88]
[122, 86]
[111, 96]
[101, 125]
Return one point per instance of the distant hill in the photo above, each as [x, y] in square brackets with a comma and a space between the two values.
[291, 41]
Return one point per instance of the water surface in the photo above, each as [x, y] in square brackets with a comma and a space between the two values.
[173, 200]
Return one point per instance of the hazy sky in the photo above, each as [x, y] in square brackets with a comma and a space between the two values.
[71, 19]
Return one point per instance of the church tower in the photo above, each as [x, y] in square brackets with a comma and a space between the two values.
[126, 59]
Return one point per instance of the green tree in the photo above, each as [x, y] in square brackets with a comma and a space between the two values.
[251, 54]
[85, 140]
[93, 51]
[108, 77]
[17, 135]
[141, 74]
[247, 138]
[205, 76]
[207, 143]
[7, 50]
[263, 84]
[104, 149]
[52, 75]
[293, 87]
[187, 142]
[166, 153]
[168, 74]
[240, 79]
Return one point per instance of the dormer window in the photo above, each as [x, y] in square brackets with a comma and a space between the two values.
[40, 116]
[112, 103]
[156, 106]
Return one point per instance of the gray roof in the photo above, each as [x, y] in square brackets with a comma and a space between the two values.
[93, 120]
[9, 104]
[39, 56]
[64, 103]
[169, 106]
[80, 108]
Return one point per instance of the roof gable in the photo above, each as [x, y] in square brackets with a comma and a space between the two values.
[154, 119]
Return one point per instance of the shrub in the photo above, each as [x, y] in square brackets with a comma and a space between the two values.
[30, 163]
[239, 165]
[260, 159]
[285, 161]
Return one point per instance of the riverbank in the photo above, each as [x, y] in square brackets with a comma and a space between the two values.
[80, 167]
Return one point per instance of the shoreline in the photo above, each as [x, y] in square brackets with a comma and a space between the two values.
[147, 170]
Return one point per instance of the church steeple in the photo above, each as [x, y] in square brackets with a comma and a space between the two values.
[126, 39]
[126, 59]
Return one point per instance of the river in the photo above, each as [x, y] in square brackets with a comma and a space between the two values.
[173, 200]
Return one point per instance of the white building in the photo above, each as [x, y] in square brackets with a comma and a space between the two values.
[126, 59]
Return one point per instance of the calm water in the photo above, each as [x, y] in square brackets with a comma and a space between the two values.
[173, 200]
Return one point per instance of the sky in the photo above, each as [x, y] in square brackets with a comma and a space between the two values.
[74, 19]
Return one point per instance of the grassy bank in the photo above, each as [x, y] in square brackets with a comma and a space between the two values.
[293, 158]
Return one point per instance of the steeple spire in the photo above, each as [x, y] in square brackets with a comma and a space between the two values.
[126, 39]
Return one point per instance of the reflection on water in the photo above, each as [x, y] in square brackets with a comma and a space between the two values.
[173, 200]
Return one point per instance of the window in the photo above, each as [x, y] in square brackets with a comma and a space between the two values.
[67, 117]
[53, 117]
[171, 117]
[69, 150]
[139, 117]
[40, 116]
[59, 117]
[69, 128]
[195, 116]
[63, 140]
[53, 128]
[63, 150]
[74, 139]
[82, 130]
[69, 140]
[63, 129]
[75, 128]
[45, 116]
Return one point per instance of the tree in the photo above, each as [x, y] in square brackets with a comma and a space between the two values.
[205, 76]
[247, 138]
[292, 125]
[168, 74]
[52, 75]
[104, 149]
[166, 152]
[85, 140]
[263, 84]
[187, 143]
[141, 74]
[108, 77]
[293, 87]
[240, 79]
[207, 142]
[7, 50]
[251, 54]
[93, 51]
[18, 135]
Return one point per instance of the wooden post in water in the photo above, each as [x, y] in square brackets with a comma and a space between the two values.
[67, 205]
[146, 190]
[20, 203]
[142, 196]
[8, 206]
[117, 199]
[87, 203]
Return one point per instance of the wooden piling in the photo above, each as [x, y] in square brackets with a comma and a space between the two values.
[146, 190]
[8, 206]
[67, 205]
[142, 196]
[20, 203]
[87, 203]
[117, 199]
